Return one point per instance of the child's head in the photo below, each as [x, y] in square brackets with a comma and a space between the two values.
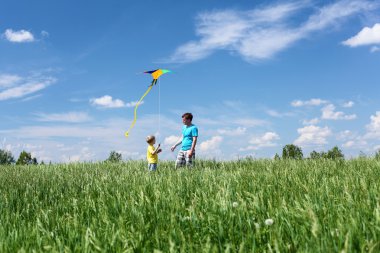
[151, 139]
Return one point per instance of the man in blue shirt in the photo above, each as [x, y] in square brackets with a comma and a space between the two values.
[189, 138]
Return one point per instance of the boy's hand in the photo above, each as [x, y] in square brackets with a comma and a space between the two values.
[172, 148]
[159, 151]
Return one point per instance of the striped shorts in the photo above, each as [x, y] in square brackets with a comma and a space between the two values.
[183, 159]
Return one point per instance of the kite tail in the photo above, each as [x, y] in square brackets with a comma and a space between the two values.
[137, 105]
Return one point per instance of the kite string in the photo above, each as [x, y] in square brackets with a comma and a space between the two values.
[159, 110]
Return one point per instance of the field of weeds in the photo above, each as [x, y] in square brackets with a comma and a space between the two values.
[237, 206]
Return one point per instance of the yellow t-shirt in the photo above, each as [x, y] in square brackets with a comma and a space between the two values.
[151, 158]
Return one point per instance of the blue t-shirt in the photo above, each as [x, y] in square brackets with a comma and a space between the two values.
[188, 134]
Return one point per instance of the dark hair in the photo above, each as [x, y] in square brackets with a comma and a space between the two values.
[188, 115]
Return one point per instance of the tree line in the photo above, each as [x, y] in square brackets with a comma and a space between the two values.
[289, 151]
[25, 158]
[292, 151]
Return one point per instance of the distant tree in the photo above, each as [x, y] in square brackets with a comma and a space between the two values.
[315, 155]
[6, 157]
[25, 158]
[377, 155]
[335, 153]
[276, 157]
[292, 151]
[114, 157]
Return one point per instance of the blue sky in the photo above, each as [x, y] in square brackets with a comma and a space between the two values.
[257, 75]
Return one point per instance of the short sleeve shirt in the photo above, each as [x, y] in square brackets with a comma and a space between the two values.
[188, 132]
[151, 158]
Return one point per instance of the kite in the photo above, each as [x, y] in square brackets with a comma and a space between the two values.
[155, 74]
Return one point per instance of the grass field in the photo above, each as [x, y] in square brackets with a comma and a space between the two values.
[316, 206]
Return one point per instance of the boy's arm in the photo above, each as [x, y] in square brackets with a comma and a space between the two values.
[178, 143]
[195, 138]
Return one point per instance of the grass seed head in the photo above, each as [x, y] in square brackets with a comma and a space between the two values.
[269, 222]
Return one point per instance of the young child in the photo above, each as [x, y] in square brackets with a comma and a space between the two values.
[151, 153]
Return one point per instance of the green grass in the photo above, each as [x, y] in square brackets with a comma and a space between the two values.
[317, 206]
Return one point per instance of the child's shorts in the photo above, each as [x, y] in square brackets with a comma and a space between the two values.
[152, 166]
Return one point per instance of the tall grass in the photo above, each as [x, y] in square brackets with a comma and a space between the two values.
[316, 206]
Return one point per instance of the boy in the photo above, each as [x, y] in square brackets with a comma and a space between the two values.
[188, 139]
[151, 153]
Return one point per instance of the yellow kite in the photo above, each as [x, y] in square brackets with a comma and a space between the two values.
[155, 74]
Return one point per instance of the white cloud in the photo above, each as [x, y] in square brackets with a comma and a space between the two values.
[171, 140]
[373, 128]
[328, 112]
[232, 132]
[208, 121]
[72, 117]
[211, 144]
[233, 104]
[277, 114]
[234, 119]
[357, 143]
[311, 102]
[310, 122]
[348, 104]
[348, 144]
[7, 81]
[134, 103]
[126, 155]
[18, 36]
[107, 102]
[261, 33]
[345, 135]
[85, 154]
[312, 135]
[44, 34]
[61, 131]
[264, 141]
[367, 36]
[375, 49]
[4, 141]
[249, 122]
[352, 141]
[29, 98]
[30, 85]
